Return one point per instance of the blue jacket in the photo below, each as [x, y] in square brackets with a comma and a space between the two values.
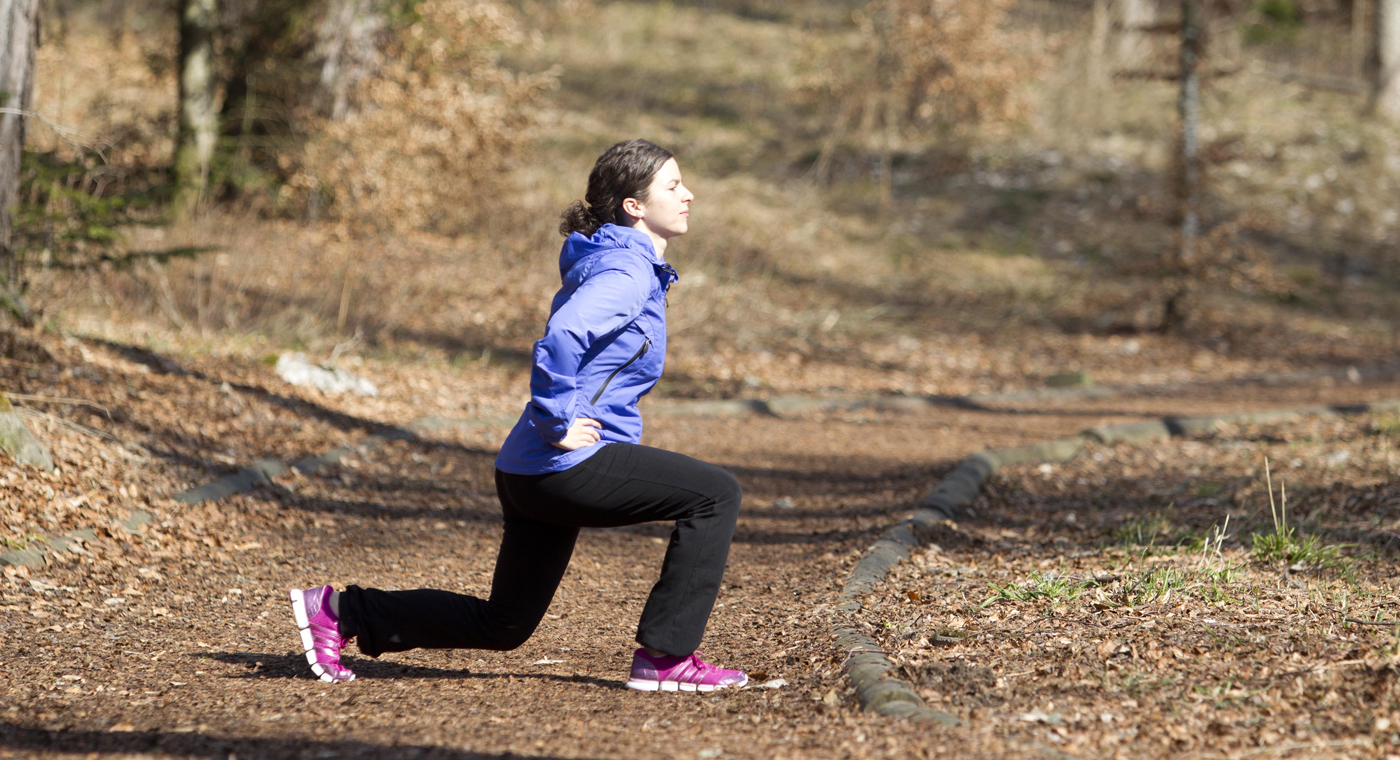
[603, 349]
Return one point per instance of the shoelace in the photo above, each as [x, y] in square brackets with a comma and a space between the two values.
[701, 665]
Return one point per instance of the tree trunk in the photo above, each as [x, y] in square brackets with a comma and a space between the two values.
[199, 122]
[1189, 108]
[1386, 92]
[1133, 43]
[1188, 183]
[1360, 37]
[346, 43]
[19, 38]
[1098, 68]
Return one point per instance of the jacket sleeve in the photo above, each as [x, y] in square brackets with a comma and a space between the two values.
[604, 304]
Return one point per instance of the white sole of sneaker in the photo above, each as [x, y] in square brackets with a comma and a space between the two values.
[308, 645]
[640, 684]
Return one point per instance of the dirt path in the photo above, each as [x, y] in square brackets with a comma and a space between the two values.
[164, 650]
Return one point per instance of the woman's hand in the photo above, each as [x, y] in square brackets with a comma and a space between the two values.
[581, 435]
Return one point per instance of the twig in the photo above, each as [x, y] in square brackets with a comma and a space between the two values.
[1098, 580]
[60, 400]
[81, 428]
[67, 133]
[1369, 622]
[1086, 624]
[1268, 480]
[341, 348]
[1294, 747]
[17, 362]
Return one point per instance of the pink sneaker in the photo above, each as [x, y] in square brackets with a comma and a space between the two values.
[667, 673]
[320, 636]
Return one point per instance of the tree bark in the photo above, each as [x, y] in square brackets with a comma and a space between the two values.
[1386, 87]
[19, 38]
[1188, 184]
[1189, 109]
[346, 42]
[199, 121]
[1133, 45]
[1098, 68]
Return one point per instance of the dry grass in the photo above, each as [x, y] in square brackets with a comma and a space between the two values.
[996, 267]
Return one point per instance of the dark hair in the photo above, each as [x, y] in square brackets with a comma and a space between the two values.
[623, 171]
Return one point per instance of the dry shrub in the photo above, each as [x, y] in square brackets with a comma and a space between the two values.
[956, 62]
[430, 140]
[1225, 258]
[915, 66]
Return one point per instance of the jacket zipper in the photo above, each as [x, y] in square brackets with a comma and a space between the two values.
[645, 346]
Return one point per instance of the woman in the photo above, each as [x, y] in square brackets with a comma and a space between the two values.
[573, 460]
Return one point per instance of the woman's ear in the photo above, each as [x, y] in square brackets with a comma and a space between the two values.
[634, 208]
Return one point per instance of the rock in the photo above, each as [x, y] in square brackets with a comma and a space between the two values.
[1076, 379]
[295, 369]
[16, 439]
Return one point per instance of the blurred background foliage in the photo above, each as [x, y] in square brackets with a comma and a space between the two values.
[911, 190]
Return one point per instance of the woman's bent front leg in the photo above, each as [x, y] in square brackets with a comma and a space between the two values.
[627, 484]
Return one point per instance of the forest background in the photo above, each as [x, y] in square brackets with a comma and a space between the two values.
[918, 196]
[1191, 200]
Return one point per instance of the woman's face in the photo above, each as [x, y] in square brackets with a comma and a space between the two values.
[666, 211]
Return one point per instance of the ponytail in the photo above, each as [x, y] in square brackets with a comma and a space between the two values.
[624, 171]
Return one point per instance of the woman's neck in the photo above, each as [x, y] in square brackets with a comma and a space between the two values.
[657, 242]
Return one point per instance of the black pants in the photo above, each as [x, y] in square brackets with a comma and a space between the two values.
[623, 484]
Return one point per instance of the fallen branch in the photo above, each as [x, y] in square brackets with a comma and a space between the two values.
[67, 133]
[60, 400]
[84, 429]
[1369, 622]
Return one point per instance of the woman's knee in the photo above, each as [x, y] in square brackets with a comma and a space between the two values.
[510, 629]
[505, 641]
[727, 491]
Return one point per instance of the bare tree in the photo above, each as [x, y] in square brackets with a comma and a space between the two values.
[347, 44]
[19, 37]
[1386, 93]
[1133, 18]
[199, 122]
[1188, 179]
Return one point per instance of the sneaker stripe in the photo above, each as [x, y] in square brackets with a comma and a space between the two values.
[299, 608]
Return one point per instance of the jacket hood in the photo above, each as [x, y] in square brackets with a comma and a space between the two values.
[609, 237]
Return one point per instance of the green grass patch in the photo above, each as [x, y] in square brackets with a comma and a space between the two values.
[1284, 543]
[1151, 533]
[1387, 426]
[1154, 586]
[1055, 588]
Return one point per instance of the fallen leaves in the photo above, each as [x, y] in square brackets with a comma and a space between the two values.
[1125, 619]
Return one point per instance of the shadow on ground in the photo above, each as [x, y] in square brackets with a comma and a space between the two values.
[15, 738]
[268, 665]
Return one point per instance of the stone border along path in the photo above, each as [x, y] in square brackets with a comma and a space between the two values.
[46, 551]
[867, 665]
[42, 552]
